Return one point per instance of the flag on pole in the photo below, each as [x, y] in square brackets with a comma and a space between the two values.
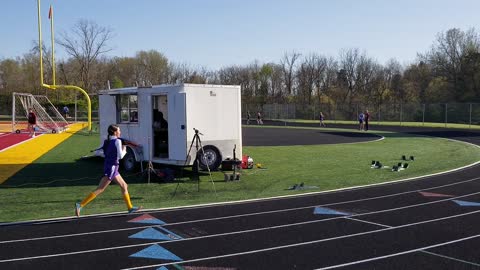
[50, 12]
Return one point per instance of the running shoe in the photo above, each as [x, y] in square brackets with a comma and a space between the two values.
[78, 208]
[134, 209]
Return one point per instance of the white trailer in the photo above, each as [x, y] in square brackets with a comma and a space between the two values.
[213, 110]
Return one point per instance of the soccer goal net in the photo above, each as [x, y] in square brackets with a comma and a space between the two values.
[49, 119]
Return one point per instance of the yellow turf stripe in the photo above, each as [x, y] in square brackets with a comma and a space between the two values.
[18, 157]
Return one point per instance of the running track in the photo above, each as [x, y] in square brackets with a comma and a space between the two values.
[430, 223]
[10, 139]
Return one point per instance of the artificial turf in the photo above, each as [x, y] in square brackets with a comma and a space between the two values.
[49, 187]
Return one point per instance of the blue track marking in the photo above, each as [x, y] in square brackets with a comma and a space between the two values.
[328, 211]
[465, 203]
[156, 252]
[170, 234]
[150, 233]
[162, 268]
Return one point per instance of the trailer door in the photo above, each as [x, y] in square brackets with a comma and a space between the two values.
[177, 131]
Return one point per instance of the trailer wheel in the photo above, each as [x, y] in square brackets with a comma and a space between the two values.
[129, 162]
[211, 156]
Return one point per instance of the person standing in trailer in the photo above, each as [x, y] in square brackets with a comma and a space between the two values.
[32, 122]
[113, 151]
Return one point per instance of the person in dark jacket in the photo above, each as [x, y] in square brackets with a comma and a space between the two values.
[32, 122]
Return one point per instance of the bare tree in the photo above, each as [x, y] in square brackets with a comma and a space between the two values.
[182, 73]
[348, 63]
[393, 72]
[327, 81]
[450, 57]
[357, 72]
[308, 76]
[288, 64]
[277, 90]
[86, 43]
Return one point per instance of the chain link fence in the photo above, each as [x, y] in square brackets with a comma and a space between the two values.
[447, 113]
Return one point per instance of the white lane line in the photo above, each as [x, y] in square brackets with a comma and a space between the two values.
[368, 222]
[450, 258]
[74, 234]
[240, 232]
[331, 239]
[400, 253]
[241, 216]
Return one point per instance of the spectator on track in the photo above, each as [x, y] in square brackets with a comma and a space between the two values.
[32, 123]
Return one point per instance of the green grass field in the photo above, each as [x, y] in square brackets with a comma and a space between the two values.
[50, 186]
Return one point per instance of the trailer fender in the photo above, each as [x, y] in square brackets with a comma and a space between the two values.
[130, 161]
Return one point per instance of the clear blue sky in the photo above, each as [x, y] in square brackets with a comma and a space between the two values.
[217, 33]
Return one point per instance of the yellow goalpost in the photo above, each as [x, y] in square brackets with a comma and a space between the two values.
[54, 86]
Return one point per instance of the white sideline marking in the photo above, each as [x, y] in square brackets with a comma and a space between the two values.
[269, 212]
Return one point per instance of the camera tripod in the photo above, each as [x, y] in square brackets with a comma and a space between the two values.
[195, 167]
[150, 169]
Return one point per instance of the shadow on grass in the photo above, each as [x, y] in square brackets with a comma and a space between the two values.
[88, 172]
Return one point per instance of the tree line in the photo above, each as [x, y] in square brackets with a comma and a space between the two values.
[448, 72]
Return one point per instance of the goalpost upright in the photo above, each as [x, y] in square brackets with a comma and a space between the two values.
[54, 86]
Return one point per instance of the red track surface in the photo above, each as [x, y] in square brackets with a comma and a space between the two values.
[9, 139]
